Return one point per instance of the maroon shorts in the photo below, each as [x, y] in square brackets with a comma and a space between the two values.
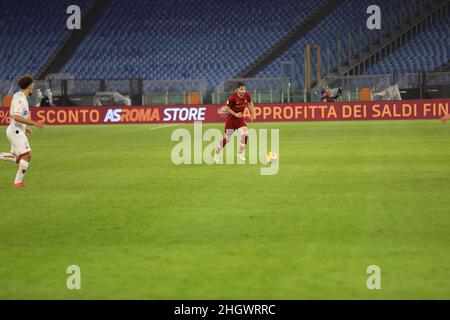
[234, 124]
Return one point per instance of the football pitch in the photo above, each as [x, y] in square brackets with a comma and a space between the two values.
[347, 195]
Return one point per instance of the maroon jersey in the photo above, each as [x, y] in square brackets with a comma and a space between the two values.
[238, 104]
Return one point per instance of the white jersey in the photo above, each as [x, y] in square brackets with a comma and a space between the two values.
[19, 106]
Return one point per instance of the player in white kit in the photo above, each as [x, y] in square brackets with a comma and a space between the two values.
[17, 130]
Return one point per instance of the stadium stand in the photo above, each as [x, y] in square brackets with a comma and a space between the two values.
[426, 52]
[339, 25]
[210, 40]
[30, 32]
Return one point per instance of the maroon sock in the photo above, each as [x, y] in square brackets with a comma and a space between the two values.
[221, 145]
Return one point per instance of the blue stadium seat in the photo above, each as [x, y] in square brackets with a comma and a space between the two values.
[349, 19]
[30, 32]
[425, 52]
[212, 40]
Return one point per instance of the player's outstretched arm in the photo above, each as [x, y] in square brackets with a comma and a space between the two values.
[37, 124]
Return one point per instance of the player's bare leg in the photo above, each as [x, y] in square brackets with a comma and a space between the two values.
[8, 156]
[243, 132]
[23, 161]
[226, 137]
[445, 118]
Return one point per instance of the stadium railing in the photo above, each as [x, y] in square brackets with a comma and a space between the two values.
[415, 80]
[173, 92]
[426, 84]
[353, 86]
[71, 91]
[263, 90]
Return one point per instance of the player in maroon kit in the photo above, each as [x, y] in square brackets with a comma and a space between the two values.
[234, 109]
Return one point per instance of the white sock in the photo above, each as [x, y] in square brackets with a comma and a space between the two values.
[241, 148]
[8, 156]
[23, 167]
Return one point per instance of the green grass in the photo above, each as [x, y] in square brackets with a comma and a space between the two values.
[348, 195]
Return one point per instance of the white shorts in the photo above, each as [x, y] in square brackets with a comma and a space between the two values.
[19, 142]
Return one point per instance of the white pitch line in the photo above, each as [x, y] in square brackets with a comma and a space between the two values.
[164, 126]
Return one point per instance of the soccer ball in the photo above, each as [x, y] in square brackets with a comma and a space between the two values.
[222, 111]
[271, 156]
